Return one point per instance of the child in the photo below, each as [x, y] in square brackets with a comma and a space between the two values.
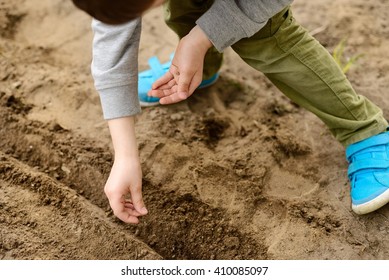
[267, 37]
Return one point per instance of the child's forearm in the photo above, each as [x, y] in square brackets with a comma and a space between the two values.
[123, 138]
[124, 184]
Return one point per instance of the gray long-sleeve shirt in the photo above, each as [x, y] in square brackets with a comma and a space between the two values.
[115, 48]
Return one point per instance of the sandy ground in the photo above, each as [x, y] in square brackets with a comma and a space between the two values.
[235, 172]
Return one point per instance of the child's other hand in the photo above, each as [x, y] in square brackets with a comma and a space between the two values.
[186, 71]
[124, 191]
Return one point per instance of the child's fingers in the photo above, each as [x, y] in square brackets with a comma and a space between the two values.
[196, 81]
[189, 81]
[130, 209]
[187, 84]
[163, 80]
[127, 215]
[163, 92]
[184, 83]
[182, 92]
[171, 99]
[129, 205]
[137, 199]
[168, 85]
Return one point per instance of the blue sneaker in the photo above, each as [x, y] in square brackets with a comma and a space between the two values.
[157, 70]
[369, 173]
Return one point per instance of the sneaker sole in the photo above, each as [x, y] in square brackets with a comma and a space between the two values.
[148, 104]
[372, 205]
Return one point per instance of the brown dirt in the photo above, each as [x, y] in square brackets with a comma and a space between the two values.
[235, 172]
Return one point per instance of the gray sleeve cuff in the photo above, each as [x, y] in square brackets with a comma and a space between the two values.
[119, 102]
[225, 24]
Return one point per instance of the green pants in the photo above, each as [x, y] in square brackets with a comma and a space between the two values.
[298, 65]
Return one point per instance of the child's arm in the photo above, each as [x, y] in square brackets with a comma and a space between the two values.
[115, 72]
[125, 179]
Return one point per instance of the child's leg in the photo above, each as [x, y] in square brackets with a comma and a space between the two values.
[305, 72]
[180, 16]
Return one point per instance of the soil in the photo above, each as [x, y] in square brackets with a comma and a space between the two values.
[237, 171]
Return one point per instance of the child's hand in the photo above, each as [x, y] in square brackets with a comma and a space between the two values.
[124, 191]
[124, 185]
[186, 71]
